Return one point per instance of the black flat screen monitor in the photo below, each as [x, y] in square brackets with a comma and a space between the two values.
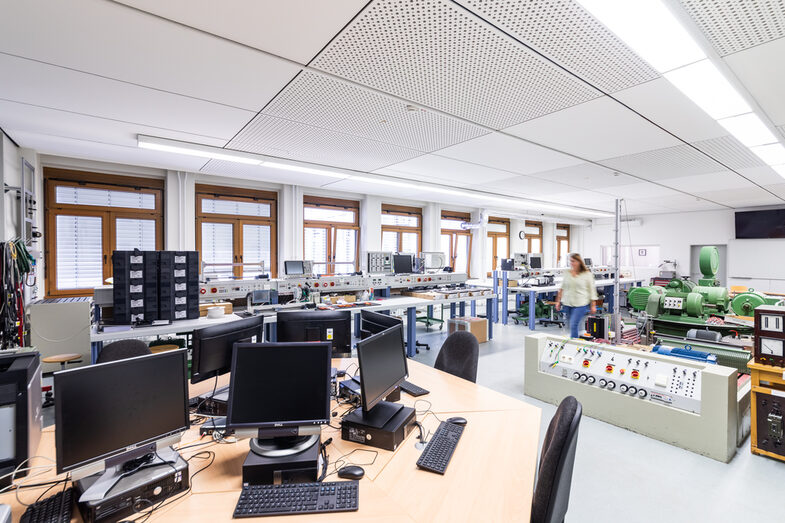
[375, 322]
[535, 261]
[314, 325]
[382, 361]
[212, 346]
[105, 410]
[402, 263]
[760, 224]
[276, 385]
[293, 267]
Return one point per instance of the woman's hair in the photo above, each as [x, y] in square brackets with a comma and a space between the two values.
[581, 265]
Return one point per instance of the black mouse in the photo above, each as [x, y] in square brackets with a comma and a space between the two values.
[351, 472]
[457, 420]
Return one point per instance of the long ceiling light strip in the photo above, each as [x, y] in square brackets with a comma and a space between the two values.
[217, 153]
[650, 29]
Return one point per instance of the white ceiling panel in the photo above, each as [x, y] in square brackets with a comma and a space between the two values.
[436, 53]
[359, 186]
[295, 29]
[262, 173]
[298, 141]
[748, 197]
[584, 198]
[445, 170]
[49, 86]
[663, 104]
[324, 102]
[730, 152]
[566, 33]
[764, 175]
[681, 203]
[637, 208]
[103, 38]
[520, 186]
[587, 176]
[735, 25]
[666, 163]
[595, 130]
[760, 70]
[508, 153]
[778, 189]
[642, 189]
[106, 152]
[703, 182]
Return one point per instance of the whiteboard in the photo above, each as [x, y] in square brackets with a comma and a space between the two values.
[762, 259]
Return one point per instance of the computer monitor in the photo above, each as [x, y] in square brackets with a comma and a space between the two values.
[402, 264]
[211, 353]
[535, 261]
[293, 267]
[375, 322]
[279, 390]
[110, 413]
[315, 325]
[382, 361]
[587, 261]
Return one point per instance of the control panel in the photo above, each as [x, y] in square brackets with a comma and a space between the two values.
[672, 302]
[661, 379]
[600, 272]
[232, 289]
[380, 262]
[324, 284]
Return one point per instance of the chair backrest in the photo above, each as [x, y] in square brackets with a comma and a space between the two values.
[459, 355]
[122, 349]
[554, 477]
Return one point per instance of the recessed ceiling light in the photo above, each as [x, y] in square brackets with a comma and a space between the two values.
[772, 154]
[193, 149]
[748, 129]
[705, 85]
[780, 169]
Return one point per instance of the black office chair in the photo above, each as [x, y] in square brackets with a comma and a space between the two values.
[554, 477]
[459, 355]
[122, 349]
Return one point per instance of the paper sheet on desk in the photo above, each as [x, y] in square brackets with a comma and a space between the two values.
[117, 328]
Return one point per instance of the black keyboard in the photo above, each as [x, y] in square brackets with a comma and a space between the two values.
[297, 498]
[54, 509]
[412, 389]
[438, 452]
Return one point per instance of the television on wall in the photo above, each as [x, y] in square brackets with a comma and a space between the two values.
[760, 224]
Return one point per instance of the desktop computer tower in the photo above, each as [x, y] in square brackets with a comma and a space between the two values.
[298, 468]
[20, 410]
[389, 437]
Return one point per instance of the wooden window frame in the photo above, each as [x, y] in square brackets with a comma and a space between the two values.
[453, 233]
[321, 202]
[401, 210]
[530, 237]
[55, 177]
[495, 236]
[562, 227]
[238, 194]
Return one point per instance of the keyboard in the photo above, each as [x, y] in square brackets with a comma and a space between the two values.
[54, 509]
[439, 450]
[297, 498]
[412, 389]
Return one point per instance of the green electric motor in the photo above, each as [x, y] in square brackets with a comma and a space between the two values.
[680, 285]
[638, 297]
[745, 303]
[675, 304]
[709, 262]
[717, 297]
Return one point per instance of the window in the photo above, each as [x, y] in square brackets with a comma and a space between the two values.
[533, 236]
[236, 231]
[497, 243]
[331, 234]
[562, 244]
[401, 229]
[456, 243]
[89, 215]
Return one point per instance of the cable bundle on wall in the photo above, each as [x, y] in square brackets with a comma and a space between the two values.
[15, 266]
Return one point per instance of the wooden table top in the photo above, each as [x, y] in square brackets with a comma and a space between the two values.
[490, 477]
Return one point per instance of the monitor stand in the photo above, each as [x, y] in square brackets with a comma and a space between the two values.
[116, 469]
[378, 416]
[282, 446]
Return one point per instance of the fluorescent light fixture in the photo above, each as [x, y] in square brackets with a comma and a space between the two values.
[772, 154]
[748, 129]
[307, 170]
[705, 85]
[193, 149]
[650, 29]
[780, 169]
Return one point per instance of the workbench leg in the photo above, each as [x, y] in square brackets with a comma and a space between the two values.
[504, 297]
[95, 350]
[489, 303]
[452, 310]
[473, 309]
[532, 302]
[462, 309]
[609, 297]
[411, 331]
[491, 312]
[518, 301]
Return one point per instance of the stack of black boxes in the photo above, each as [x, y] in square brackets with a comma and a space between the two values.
[155, 285]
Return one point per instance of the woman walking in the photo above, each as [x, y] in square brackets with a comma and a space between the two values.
[577, 294]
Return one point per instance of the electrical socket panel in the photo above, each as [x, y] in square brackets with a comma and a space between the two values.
[635, 375]
[232, 289]
[672, 302]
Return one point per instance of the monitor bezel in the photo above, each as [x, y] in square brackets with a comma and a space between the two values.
[286, 268]
[198, 377]
[366, 405]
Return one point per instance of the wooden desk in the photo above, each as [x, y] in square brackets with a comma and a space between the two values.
[490, 478]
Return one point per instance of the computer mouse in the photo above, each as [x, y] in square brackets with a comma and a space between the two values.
[351, 472]
[457, 420]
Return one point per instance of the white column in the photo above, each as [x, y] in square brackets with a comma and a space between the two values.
[516, 233]
[370, 227]
[479, 266]
[549, 244]
[290, 224]
[431, 227]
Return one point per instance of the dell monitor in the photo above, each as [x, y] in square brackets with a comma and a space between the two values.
[212, 346]
[375, 322]
[535, 261]
[109, 414]
[402, 263]
[293, 267]
[281, 392]
[587, 262]
[382, 361]
[314, 325]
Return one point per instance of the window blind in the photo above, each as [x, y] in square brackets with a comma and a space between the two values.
[133, 234]
[256, 248]
[69, 195]
[236, 208]
[79, 251]
[217, 247]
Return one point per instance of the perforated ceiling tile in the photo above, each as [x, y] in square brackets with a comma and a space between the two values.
[436, 53]
[586, 176]
[323, 102]
[735, 25]
[297, 141]
[729, 151]
[568, 34]
[670, 162]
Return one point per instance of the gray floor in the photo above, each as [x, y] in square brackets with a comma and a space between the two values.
[623, 476]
